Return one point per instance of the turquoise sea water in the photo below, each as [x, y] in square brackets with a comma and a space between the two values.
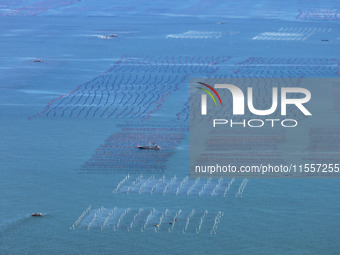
[43, 159]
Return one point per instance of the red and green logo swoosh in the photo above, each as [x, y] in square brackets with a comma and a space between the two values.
[209, 93]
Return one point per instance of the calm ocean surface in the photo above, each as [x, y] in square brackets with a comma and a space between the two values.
[42, 158]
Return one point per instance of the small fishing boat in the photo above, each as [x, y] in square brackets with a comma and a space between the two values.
[38, 60]
[154, 147]
[37, 214]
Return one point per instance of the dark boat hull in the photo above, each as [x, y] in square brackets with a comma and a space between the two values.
[148, 148]
[36, 214]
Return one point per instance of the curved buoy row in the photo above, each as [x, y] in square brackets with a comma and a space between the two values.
[121, 183]
[80, 218]
[216, 222]
[188, 220]
[241, 188]
[95, 216]
[201, 221]
[108, 217]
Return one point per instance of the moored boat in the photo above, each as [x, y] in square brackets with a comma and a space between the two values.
[149, 147]
[37, 214]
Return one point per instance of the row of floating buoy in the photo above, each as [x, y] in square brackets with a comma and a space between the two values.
[80, 218]
[118, 219]
[95, 216]
[216, 222]
[174, 186]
